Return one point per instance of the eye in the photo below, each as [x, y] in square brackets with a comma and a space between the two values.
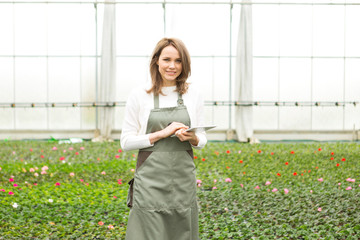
[166, 59]
[178, 60]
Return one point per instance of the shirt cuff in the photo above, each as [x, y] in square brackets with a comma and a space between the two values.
[202, 141]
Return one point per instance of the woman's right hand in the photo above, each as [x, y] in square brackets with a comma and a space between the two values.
[166, 132]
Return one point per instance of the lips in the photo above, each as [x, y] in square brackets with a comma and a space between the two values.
[171, 73]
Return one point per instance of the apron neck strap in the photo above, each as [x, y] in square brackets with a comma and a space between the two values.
[180, 101]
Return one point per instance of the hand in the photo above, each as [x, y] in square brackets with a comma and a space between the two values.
[172, 128]
[187, 136]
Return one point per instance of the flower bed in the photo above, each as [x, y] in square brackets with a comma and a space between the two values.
[262, 191]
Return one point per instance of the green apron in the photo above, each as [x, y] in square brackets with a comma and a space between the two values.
[162, 194]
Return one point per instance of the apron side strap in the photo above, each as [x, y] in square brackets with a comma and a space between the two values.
[156, 101]
[180, 101]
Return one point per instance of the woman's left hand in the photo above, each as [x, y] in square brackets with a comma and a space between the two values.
[187, 136]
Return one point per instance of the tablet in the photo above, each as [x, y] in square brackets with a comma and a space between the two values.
[200, 128]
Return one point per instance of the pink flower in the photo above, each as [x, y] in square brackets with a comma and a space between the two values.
[348, 188]
[2, 190]
[257, 187]
[72, 174]
[54, 148]
[81, 180]
[44, 168]
[115, 196]
[35, 184]
[320, 180]
[319, 209]
[43, 172]
[11, 180]
[100, 223]
[32, 170]
[57, 184]
[77, 153]
[70, 148]
[15, 185]
[111, 227]
[119, 150]
[274, 190]
[199, 185]
[36, 174]
[226, 209]
[214, 188]
[62, 158]
[117, 156]
[0, 168]
[82, 148]
[311, 191]
[215, 180]
[198, 181]
[228, 180]
[286, 191]
[103, 172]
[133, 170]
[11, 193]
[267, 183]
[241, 185]
[64, 151]
[339, 184]
[350, 180]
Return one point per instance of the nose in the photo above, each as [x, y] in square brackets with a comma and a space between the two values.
[171, 64]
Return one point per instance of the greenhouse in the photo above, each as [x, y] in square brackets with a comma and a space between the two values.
[278, 81]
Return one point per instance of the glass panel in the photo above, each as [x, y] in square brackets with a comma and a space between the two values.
[119, 117]
[87, 29]
[88, 79]
[7, 118]
[265, 79]
[352, 117]
[236, 13]
[131, 73]
[202, 76]
[64, 33]
[265, 118]
[31, 118]
[202, 33]
[295, 30]
[220, 117]
[30, 80]
[64, 118]
[327, 118]
[295, 79]
[265, 30]
[352, 80]
[6, 29]
[295, 118]
[64, 79]
[6, 80]
[352, 36]
[88, 118]
[328, 80]
[328, 30]
[139, 27]
[30, 29]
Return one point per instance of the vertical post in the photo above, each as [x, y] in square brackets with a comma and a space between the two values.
[96, 68]
[229, 134]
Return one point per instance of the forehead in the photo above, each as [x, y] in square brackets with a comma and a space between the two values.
[170, 51]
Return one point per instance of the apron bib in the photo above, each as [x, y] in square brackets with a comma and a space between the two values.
[162, 194]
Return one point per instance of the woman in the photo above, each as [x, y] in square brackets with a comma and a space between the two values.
[162, 194]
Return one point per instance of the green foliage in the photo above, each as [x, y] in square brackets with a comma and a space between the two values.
[229, 208]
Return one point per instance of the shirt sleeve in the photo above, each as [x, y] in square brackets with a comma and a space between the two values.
[200, 121]
[130, 137]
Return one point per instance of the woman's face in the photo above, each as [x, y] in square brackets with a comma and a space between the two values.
[170, 65]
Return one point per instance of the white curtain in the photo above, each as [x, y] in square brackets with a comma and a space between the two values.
[108, 71]
[243, 75]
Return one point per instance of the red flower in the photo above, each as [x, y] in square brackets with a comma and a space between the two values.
[203, 159]
[292, 152]
[57, 184]
[195, 157]
[77, 153]
[42, 156]
[309, 171]
[294, 173]
[317, 167]
[100, 223]
[319, 149]
[259, 151]
[286, 163]
[228, 151]
[343, 159]
[11, 180]
[302, 174]
[331, 158]
[241, 161]
[227, 167]
[119, 150]
[337, 164]
[117, 156]
[272, 153]
[62, 158]
[278, 174]
[332, 153]
[31, 150]
[244, 173]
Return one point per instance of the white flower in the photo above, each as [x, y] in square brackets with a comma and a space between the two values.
[50, 200]
[15, 205]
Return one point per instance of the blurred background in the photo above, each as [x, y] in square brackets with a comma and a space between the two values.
[301, 59]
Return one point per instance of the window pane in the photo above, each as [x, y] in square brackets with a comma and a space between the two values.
[328, 30]
[7, 118]
[64, 118]
[265, 30]
[31, 118]
[327, 118]
[202, 33]
[265, 118]
[6, 80]
[352, 80]
[295, 79]
[295, 118]
[352, 117]
[64, 33]
[295, 30]
[139, 27]
[30, 80]
[328, 80]
[6, 29]
[352, 36]
[265, 79]
[64, 79]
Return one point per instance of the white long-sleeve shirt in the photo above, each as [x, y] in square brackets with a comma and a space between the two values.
[139, 105]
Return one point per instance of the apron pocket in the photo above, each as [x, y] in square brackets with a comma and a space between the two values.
[129, 201]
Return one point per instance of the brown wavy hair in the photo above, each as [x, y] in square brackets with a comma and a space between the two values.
[156, 79]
